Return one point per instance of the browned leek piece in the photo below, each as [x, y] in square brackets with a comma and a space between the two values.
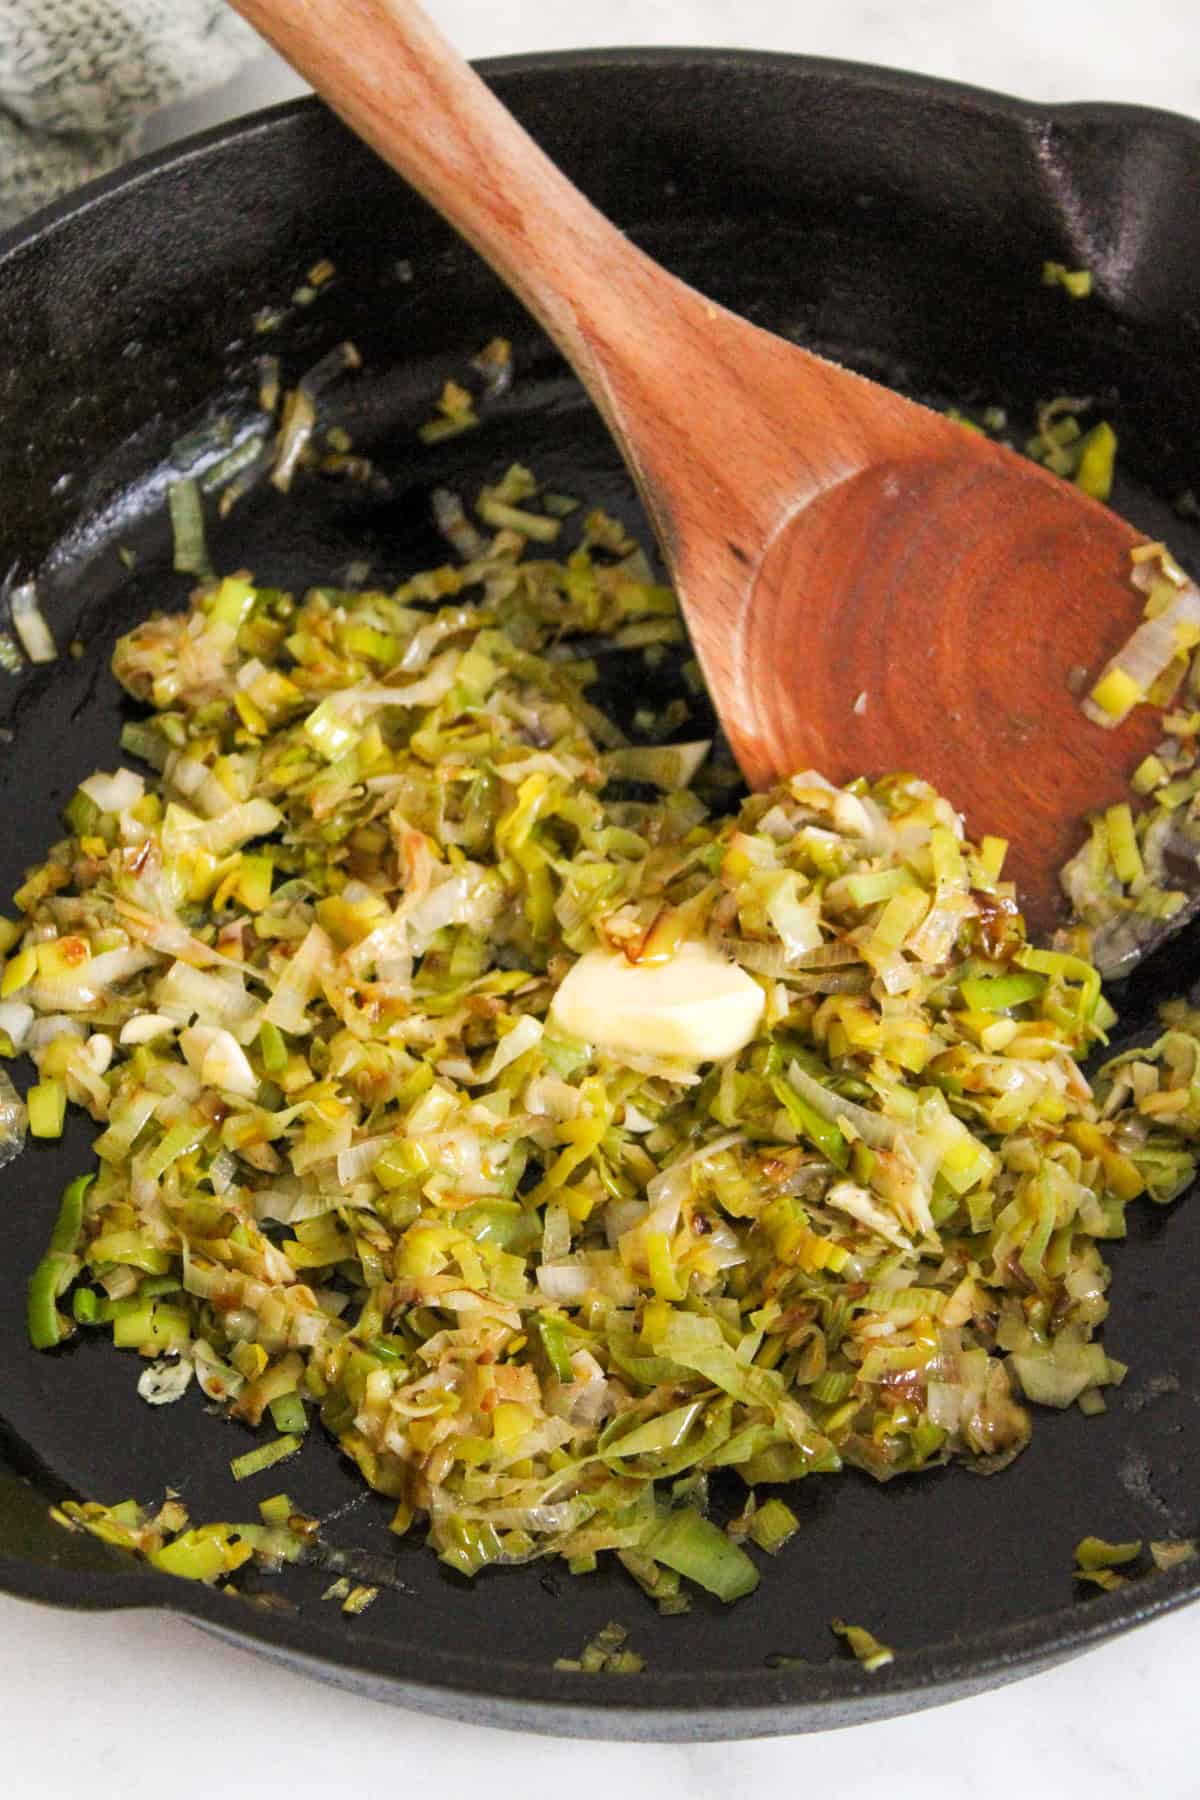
[868, 586]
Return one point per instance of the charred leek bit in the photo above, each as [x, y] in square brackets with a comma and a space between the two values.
[301, 973]
[870, 1652]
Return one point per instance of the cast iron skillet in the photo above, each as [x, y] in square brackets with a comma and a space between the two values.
[897, 222]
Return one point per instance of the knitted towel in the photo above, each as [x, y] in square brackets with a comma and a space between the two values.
[78, 78]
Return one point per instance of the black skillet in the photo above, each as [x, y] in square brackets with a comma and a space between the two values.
[895, 222]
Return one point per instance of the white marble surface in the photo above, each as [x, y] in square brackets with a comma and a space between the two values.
[142, 1706]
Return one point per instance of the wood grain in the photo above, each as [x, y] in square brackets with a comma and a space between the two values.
[829, 539]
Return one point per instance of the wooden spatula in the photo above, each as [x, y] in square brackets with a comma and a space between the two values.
[868, 586]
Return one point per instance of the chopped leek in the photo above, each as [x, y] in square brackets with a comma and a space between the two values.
[352, 1165]
[1075, 282]
[47, 1103]
[867, 1648]
[605, 1654]
[253, 1462]
[358, 1600]
[29, 623]
[53, 1274]
[692, 1545]
[1097, 1553]
[187, 524]
[772, 1525]
[169, 1542]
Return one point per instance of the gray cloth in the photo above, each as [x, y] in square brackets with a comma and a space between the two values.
[78, 78]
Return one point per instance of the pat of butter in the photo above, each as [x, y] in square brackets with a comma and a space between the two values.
[696, 1005]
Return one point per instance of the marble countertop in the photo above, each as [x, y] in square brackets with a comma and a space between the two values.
[141, 1705]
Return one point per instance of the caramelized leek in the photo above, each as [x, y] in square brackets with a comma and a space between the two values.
[302, 976]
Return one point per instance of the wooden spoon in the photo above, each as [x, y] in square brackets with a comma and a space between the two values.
[868, 586]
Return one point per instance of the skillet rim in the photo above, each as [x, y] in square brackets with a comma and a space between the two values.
[520, 1694]
[990, 101]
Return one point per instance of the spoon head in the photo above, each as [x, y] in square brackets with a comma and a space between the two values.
[941, 612]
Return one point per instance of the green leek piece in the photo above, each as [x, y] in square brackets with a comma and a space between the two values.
[18, 972]
[203, 1554]
[144, 739]
[772, 1525]
[1096, 1553]
[1097, 461]
[58, 1265]
[187, 525]
[1075, 282]
[512, 518]
[822, 1133]
[253, 1462]
[81, 815]
[236, 462]
[277, 1510]
[69, 1223]
[870, 889]
[1123, 845]
[401, 1163]
[554, 1343]
[605, 1654]
[153, 1328]
[85, 1307]
[233, 601]
[692, 1545]
[358, 1599]
[832, 1387]
[47, 1103]
[289, 1414]
[470, 1545]
[1061, 966]
[179, 1141]
[273, 1048]
[329, 731]
[128, 1247]
[382, 647]
[667, 766]
[1150, 773]
[254, 881]
[1000, 993]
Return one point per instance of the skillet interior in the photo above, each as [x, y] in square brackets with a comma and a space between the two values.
[899, 224]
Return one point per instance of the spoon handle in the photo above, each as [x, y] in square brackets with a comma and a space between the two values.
[384, 67]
